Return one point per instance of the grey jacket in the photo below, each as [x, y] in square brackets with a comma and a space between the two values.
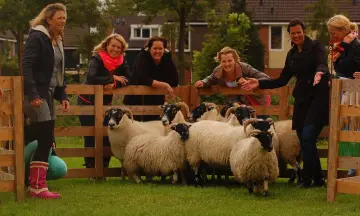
[242, 70]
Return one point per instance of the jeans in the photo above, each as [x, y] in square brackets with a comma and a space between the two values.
[311, 162]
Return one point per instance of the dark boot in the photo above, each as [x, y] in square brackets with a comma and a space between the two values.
[318, 177]
[306, 177]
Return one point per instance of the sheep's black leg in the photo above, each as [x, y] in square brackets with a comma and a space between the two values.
[250, 187]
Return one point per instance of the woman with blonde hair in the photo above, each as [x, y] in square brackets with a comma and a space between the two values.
[107, 67]
[345, 56]
[43, 65]
[232, 73]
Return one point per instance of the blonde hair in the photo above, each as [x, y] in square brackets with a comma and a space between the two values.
[102, 46]
[354, 27]
[47, 13]
[340, 22]
[227, 50]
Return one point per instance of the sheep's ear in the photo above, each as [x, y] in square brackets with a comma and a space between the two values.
[107, 112]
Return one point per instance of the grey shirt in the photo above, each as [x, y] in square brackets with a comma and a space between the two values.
[57, 67]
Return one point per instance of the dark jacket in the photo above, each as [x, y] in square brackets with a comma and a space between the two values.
[349, 60]
[242, 70]
[311, 102]
[98, 75]
[38, 66]
[145, 71]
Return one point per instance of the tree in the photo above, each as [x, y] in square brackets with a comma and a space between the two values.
[181, 11]
[254, 51]
[227, 30]
[16, 14]
[319, 13]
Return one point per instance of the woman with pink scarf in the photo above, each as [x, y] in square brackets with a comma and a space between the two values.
[107, 67]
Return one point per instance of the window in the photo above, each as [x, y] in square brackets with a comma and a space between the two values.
[276, 38]
[187, 41]
[139, 32]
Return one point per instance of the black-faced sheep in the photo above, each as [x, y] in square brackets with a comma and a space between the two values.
[253, 160]
[157, 154]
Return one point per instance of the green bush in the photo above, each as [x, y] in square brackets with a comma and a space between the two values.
[9, 66]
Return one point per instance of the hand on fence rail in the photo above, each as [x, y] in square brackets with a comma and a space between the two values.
[121, 79]
[250, 84]
[199, 84]
[356, 75]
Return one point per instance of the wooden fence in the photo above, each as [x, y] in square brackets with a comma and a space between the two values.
[188, 94]
[11, 129]
[344, 147]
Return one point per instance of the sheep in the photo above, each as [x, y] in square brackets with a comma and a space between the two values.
[171, 113]
[157, 154]
[253, 160]
[288, 147]
[211, 142]
[121, 130]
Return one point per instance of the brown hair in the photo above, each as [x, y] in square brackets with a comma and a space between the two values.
[102, 46]
[150, 42]
[47, 13]
[227, 50]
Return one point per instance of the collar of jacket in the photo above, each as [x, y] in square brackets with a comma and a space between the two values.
[60, 75]
[306, 45]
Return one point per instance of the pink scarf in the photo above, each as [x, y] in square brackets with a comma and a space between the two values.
[111, 63]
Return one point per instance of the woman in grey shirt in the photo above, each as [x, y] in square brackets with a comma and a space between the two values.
[232, 73]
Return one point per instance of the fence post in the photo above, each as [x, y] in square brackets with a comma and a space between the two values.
[194, 97]
[99, 149]
[19, 137]
[333, 140]
[284, 103]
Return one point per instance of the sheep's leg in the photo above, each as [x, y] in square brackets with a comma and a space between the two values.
[266, 186]
[250, 187]
[122, 170]
[163, 178]
[256, 187]
[149, 178]
[135, 177]
[198, 180]
[182, 176]
[175, 177]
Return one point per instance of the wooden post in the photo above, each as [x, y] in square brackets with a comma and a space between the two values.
[19, 138]
[284, 103]
[194, 97]
[333, 140]
[99, 149]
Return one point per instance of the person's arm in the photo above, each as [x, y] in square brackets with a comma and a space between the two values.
[31, 54]
[281, 81]
[251, 72]
[321, 59]
[92, 75]
[344, 65]
[211, 79]
[122, 71]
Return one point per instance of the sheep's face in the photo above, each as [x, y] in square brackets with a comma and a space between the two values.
[115, 117]
[227, 106]
[261, 125]
[243, 113]
[169, 113]
[182, 129]
[199, 111]
[265, 138]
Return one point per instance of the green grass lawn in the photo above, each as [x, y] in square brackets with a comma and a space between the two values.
[117, 197]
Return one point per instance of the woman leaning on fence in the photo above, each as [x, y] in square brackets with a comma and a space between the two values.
[153, 67]
[306, 60]
[345, 56]
[232, 73]
[107, 67]
[43, 65]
